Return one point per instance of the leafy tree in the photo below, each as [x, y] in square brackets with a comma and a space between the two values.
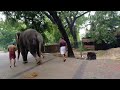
[52, 34]
[37, 20]
[7, 32]
[71, 17]
[103, 26]
[59, 17]
[58, 21]
[32, 19]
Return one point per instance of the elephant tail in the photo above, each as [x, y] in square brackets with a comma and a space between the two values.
[18, 52]
[18, 46]
[40, 44]
[41, 49]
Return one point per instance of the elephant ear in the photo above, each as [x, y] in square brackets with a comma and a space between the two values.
[18, 35]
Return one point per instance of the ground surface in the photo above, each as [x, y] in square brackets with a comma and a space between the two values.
[107, 66]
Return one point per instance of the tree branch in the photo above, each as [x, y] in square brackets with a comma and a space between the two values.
[67, 21]
[49, 16]
[82, 14]
[65, 26]
[74, 19]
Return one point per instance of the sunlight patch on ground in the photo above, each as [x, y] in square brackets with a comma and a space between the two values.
[30, 75]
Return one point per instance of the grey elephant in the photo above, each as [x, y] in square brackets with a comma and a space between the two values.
[29, 40]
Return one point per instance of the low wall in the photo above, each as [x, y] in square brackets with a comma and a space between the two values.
[89, 47]
[52, 48]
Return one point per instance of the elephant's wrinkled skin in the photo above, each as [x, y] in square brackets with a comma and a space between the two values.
[29, 40]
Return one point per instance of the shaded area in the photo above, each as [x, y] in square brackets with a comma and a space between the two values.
[79, 73]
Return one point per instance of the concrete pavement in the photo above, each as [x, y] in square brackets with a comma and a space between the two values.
[54, 68]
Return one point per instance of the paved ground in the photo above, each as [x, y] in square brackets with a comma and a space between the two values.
[54, 68]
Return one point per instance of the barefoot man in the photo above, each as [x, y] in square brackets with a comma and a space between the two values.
[63, 48]
[12, 56]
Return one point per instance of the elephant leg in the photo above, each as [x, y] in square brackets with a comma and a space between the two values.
[40, 61]
[37, 58]
[40, 54]
[24, 53]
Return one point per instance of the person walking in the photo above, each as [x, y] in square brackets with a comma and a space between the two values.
[12, 56]
[63, 48]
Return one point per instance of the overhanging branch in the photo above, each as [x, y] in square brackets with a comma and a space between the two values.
[82, 14]
[49, 16]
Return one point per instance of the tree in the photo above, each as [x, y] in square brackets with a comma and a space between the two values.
[52, 34]
[36, 20]
[71, 17]
[32, 19]
[63, 32]
[7, 32]
[103, 26]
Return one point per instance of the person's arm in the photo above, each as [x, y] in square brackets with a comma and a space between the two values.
[15, 48]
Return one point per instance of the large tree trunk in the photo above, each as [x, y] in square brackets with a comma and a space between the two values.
[75, 38]
[63, 32]
[73, 33]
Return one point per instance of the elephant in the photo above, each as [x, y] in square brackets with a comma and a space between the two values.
[32, 41]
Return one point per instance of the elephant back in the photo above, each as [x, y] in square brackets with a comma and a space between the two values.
[30, 36]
